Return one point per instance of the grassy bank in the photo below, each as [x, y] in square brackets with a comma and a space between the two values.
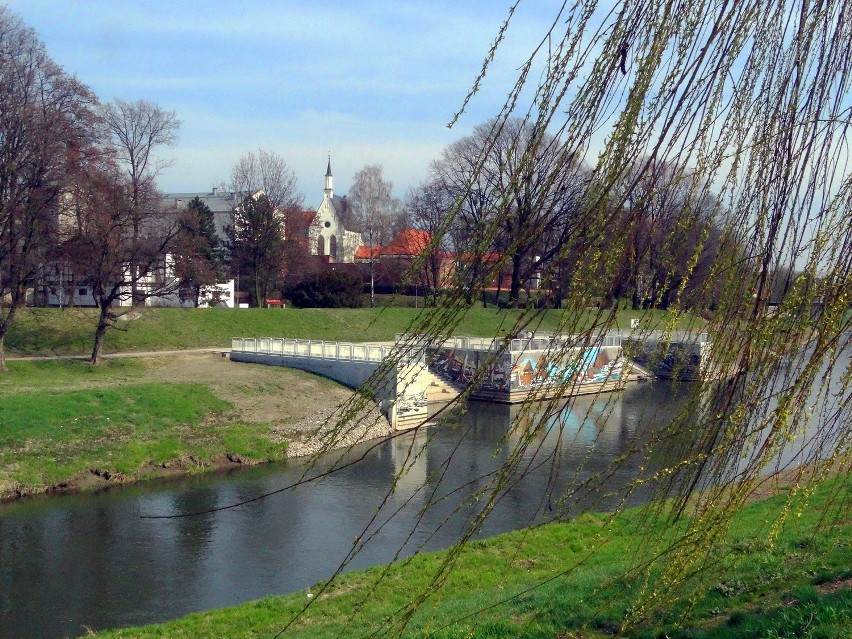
[66, 424]
[573, 580]
[42, 331]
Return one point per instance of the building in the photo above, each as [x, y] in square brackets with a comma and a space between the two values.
[221, 204]
[327, 234]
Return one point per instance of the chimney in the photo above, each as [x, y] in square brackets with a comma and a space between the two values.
[214, 190]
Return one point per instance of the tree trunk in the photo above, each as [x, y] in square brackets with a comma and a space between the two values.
[372, 285]
[100, 331]
[515, 289]
[472, 281]
[4, 328]
[3, 350]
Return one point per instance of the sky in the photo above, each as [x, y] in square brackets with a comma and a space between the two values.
[370, 82]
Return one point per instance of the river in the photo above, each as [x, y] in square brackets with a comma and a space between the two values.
[90, 561]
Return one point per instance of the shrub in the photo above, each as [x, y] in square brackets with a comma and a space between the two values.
[327, 289]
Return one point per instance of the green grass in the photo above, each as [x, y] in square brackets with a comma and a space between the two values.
[47, 436]
[43, 331]
[547, 582]
[62, 419]
[53, 373]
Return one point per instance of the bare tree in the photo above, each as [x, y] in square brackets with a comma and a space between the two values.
[267, 172]
[46, 123]
[517, 187]
[427, 208]
[373, 206]
[471, 225]
[106, 250]
[136, 130]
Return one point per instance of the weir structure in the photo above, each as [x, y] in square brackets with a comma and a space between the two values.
[405, 376]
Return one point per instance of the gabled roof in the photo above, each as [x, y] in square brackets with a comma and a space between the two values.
[217, 201]
[408, 243]
[339, 203]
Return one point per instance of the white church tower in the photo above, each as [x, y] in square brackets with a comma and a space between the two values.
[327, 236]
[329, 180]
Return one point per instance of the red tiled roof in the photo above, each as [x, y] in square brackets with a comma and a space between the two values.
[408, 243]
[367, 252]
[411, 243]
[299, 221]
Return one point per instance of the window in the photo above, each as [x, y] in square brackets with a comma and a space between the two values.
[320, 245]
[328, 225]
[82, 291]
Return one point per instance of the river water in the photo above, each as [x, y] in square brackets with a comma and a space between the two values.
[90, 561]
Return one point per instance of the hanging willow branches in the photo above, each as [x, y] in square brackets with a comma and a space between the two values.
[738, 112]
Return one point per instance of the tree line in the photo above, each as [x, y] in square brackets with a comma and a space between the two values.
[512, 202]
[79, 202]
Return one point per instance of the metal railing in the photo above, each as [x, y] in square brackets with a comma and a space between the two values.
[539, 341]
[317, 349]
[412, 345]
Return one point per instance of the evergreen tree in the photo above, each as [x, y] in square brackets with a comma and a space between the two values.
[257, 245]
[199, 259]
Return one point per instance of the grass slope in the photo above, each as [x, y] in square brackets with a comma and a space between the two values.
[573, 580]
[45, 331]
[60, 420]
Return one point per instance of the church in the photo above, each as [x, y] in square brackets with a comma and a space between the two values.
[328, 237]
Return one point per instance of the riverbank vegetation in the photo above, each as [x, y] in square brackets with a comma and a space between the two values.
[583, 578]
[67, 425]
[46, 331]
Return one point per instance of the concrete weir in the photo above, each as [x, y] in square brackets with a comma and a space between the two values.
[397, 383]
[406, 376]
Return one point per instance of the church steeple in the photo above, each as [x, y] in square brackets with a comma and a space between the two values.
[329, 178]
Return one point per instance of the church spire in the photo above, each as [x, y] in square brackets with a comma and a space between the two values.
[329, 189]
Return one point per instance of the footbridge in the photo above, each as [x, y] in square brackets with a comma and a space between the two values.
[398, 380]
[408, 374]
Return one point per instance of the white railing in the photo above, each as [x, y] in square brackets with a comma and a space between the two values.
[355, 352]
[538, 342]
[317, 349]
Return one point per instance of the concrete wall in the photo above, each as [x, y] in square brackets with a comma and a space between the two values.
[684, 360]
[401, 395]
[511, 372]
[348, 373]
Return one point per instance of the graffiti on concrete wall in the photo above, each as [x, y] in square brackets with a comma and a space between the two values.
[414, 402]
[593, 366]
[667, 360]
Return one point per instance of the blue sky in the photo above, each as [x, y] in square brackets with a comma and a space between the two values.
[371, 82]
